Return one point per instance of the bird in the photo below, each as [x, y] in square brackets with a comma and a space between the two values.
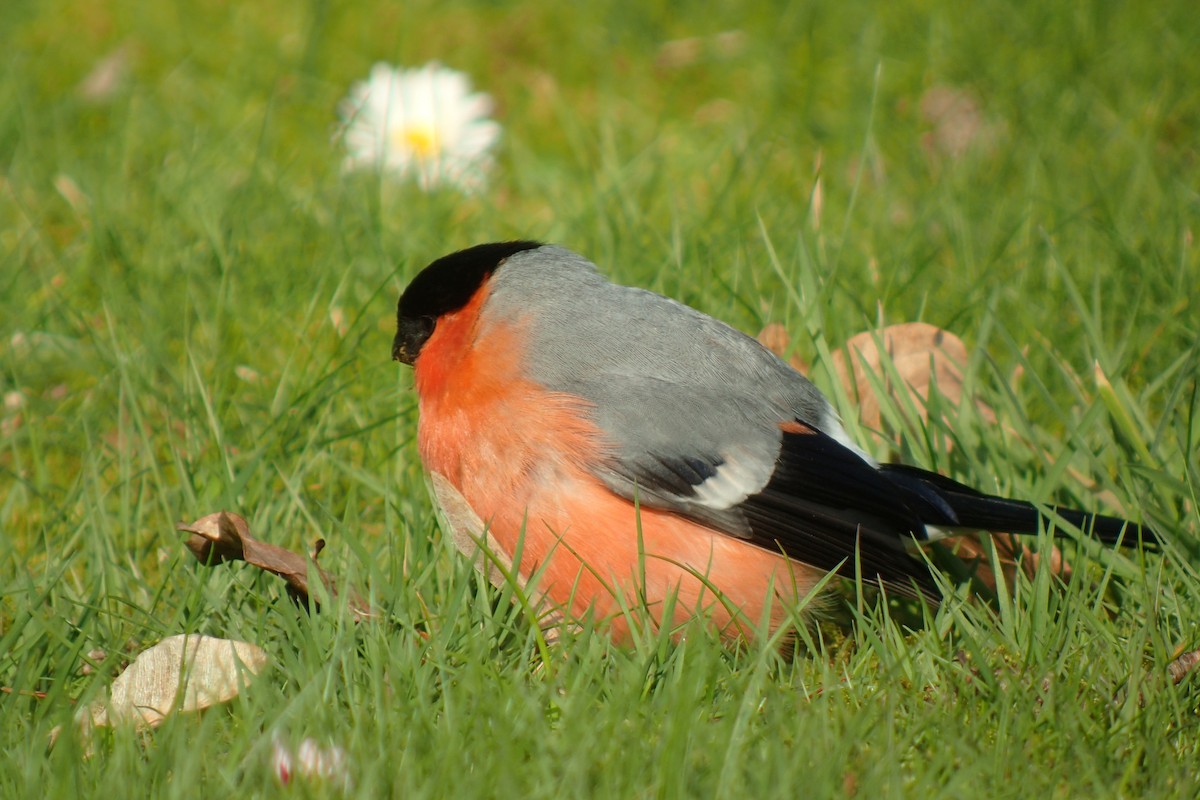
[611, 448]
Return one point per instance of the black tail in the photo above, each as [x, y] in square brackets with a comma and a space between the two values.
[938, 500]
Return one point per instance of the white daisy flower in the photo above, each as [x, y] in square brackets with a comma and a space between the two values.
[421, 122]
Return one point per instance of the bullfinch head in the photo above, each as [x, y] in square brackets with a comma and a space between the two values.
[614, 447]
[444, 287]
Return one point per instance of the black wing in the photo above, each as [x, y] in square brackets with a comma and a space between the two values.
[827, 507]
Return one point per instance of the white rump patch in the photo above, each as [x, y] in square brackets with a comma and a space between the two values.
[832, 427]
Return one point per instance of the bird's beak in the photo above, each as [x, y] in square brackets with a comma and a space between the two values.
[411, 335]
[400, 352]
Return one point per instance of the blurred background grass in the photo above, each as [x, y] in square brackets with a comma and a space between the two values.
[196, 309]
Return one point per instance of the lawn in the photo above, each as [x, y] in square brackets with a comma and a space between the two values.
[196, 309]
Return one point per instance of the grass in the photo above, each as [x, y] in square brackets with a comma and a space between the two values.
[196, 311]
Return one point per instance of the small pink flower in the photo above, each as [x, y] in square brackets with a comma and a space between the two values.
[311, 762]
[282, 760]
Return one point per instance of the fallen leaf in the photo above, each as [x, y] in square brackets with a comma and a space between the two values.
[1011, 553]
[107, 76]
[221, 537]
[924, 355]
[921, 354]
[470, 536]
[66, 186]
[957, 124]
[678, 53]
[179, 674]
[775, 338]
[1182, 666]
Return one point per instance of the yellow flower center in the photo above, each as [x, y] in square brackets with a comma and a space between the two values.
[421, 140]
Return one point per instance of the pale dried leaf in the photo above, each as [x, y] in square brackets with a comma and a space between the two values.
[468, 533]
[957, 124]
[107, 76]
[921, 355]
[179, 674]
[678, 53]
[66, 186]
[470, 536]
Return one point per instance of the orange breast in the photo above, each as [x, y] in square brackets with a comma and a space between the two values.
[518, 454]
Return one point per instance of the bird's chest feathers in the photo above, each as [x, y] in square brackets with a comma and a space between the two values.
[484, 424]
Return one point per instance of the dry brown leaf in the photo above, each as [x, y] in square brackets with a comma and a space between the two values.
[679, 53]
[1178, 670]
[921, 354]
[957, 124]
[107, 76]
[1183, 666]
[179, 674]
[1010, 552]
[775, 338]
[220, 537]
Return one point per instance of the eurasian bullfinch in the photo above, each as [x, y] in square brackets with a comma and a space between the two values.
[619, 448]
